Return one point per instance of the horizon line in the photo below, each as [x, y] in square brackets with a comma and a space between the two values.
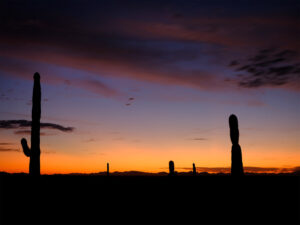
[185, 170]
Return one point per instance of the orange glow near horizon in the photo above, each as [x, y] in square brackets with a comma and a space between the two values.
[138, 160]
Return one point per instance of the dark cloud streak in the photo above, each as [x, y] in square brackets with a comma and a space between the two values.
[5, 147]
[9, 150]
[269, 67]
[197, 139]
[5, 143]
[16, 124]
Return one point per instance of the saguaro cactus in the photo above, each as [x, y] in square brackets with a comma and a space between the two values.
[236, 152]
[194, 169]
[171, 168]
[34, 152]
[107, 170]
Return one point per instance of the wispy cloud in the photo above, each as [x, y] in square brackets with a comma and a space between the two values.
[9, 149]
[5, 143]
[49, 152]
[16, 124]
[5, 147]
[96, 86]
[24, 68]
[197, 139]
[269, 67]
[28, 132]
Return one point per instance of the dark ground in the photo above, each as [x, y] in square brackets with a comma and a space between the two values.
[208, 199]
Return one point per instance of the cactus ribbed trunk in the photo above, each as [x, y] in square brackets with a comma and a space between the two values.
[107, 167]
[236, 151]
[236, 160]
[34, 152]
[194, 169]
[171, 168]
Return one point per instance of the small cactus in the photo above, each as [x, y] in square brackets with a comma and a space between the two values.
[107, 169]
[194, 169]
[34, 152]
[171, 168]
[236, 152]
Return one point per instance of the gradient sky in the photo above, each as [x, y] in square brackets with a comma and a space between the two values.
[145, 82]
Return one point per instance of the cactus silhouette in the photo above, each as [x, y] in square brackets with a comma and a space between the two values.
[34, 152]
[194, 169]
[236, 152]
[107, 171]
[171, 168]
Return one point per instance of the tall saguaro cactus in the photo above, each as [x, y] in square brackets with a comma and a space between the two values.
[171, 168]
[236, 152]
[34, 152]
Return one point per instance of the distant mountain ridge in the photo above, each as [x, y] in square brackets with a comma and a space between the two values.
[162, 174]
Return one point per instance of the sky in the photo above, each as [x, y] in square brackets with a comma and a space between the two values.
[139, 83]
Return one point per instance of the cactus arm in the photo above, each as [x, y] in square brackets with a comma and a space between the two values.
[26, 149]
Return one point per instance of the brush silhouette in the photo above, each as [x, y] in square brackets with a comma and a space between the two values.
[236, 152]
[34, 152]
[171, 168]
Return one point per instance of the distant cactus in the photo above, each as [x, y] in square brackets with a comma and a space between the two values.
[34, 152]
[236, 152]
[194, 169]
[107, 166]
[171, 168]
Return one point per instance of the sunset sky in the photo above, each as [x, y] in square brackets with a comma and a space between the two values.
[139, 83]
